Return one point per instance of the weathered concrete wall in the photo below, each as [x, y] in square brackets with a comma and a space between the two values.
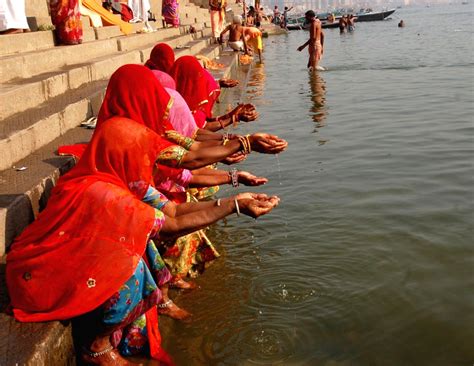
[156, 8]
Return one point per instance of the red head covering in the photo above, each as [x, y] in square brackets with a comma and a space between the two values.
[134, 92]
[89, 239]
[161, 58]
[195, 84]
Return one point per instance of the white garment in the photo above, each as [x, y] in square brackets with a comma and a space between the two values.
[236, 45]
[95, 18]
[12, 15]
[140, 10]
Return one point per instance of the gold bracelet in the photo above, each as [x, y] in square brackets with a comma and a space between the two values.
[247, 138]
[245, 142]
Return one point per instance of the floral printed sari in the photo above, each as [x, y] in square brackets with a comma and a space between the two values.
[66, 18]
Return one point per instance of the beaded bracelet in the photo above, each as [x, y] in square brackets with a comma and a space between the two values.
[234, 177]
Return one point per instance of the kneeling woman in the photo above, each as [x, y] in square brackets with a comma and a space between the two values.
[89, 255]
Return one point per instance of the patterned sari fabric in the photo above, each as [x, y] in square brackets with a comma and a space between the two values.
[66, 18]
[161, 58]
[66, 263]
[170, 11]
[197, 86]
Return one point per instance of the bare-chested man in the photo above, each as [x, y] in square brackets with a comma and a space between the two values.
[315, 41]
[236, 35]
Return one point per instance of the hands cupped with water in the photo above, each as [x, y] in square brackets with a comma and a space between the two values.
[256, 204]
[249, 179]
[267, 144]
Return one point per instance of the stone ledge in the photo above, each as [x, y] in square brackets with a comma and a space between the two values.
[24, 193]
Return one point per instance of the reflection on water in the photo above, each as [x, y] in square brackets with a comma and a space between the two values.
[318, 97]
[256, 82]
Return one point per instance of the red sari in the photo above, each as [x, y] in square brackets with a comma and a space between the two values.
[197, 86]
[134, 92]
[89, 239]
[66, 18]
[161, 58]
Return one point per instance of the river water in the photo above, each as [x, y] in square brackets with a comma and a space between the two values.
[368, 260]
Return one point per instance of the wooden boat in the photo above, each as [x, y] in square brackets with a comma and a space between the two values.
[362, 16]
[372, 16]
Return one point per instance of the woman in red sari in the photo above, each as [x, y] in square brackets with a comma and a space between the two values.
[161, 58]
[86, 257]
[66, 18]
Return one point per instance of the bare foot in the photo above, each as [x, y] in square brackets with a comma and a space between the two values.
[169, 308]
[111, 358]
[12, 31]
[182, 285]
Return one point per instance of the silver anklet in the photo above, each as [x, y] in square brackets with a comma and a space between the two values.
[98, 354]
[165, 304]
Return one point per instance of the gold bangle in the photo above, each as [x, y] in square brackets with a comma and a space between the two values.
[247, 138]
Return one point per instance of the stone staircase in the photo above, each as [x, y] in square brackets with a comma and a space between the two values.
[46, 91]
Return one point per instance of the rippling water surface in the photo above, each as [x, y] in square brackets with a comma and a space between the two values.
[368, 259]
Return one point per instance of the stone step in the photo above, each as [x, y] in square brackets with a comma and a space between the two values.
[28, 64]
[21, 137]
[109, 31]
[140, 40]
[34, 91]
[25, 42]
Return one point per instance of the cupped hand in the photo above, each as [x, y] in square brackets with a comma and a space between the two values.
[267, 144]
[251, 195]
[234, 158]
[248, 113]
[228, 83]
[258, 207]
[249, 179]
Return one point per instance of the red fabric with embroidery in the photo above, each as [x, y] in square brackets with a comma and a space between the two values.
[87, 242]
[161, 58]
[196, 85]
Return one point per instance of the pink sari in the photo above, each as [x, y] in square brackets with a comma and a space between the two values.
[180, 116]
[165, 79]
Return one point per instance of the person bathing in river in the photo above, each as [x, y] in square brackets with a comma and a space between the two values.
[236, 35]
[315, 42]
[351, 23]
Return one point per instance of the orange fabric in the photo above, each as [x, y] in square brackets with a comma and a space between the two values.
[134, 92]
[196, 85]
[107, 17]
[89, 239]
[161, 58]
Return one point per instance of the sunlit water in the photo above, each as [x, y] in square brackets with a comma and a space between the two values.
[368, 259]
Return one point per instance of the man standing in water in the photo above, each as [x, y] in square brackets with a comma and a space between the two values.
[315, 41]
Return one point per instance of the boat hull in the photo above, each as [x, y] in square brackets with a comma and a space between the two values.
[372, 17]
